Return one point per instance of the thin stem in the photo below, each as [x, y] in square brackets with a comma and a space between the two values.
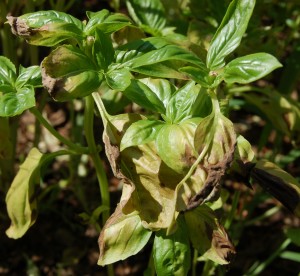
[58, 136]
[234, 205]
[101, 175]
[194, 264]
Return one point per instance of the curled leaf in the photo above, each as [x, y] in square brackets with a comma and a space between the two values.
[208, 236]
[278, 183]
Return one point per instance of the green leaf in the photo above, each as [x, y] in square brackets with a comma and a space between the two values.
[230, 32]
[250, 68]
[163, 89]
[118, 79]
[141, 94]
[46, 28]
[14, 103]
[68, 73]
[188, 101]
[29, 76]
[7, 75]
[171, 254]
[140, 132]
[208, 236]
[175, 146]
[121, 237]
[103, 50]
[20, 203]
[106, 22]
[294, 235]
[149, 14]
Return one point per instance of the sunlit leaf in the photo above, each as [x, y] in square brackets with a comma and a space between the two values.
[46, 28]
[230, 32]
[208, 236]
[140, 132]
[29, 76]
[250, 68]
[68, 73]
[121, 237]
[7, 74]
[118, 79]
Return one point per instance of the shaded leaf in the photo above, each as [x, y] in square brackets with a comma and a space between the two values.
[278, 183]
[121, 237]
[230, 32]
[250, 68]
[171, 253]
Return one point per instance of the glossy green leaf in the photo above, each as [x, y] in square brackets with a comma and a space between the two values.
[141, 94]
[230, 32]
[106, 22]
[14, 103]
[163, 89]
[121, 237]
[208, 236]
[103, 50]
[7, 74]
[46, 28]
[200, 75]
[29, 76]
[140, 132]
[149, 14]
[188, 101]
[68, 73]
[20, 203]
[250, 68]
[171, 254]
[118, 79]
[278, 183]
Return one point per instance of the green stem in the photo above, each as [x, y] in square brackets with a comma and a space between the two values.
[58, 136]
[234, 205]
[101, 175]
[194, 264]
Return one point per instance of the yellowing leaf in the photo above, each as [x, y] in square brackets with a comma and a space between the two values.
[20, 201]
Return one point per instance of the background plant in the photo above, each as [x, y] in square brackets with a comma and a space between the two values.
[181, 112]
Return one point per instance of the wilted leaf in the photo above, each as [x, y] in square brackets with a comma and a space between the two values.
[230, 32]
[278, 183]
[250, 68]
[171, 253]
[208, 236]
[121, 237]
[68, 73]
[20, 199]
[46, 28]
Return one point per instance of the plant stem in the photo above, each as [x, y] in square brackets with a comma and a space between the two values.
[58, 136]
[194, 264]
[101, 175]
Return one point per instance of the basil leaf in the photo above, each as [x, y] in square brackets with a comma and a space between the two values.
[29, 76]
[15, 102]
[141, 94]
[171, 254]
[140, 132]
[230, 32]
[68, 73]
[121, 237]
[250, 68]
[105, 22]
[118, 79]
[46, 28]
[103, 50]
[7, 74]
[149, 14]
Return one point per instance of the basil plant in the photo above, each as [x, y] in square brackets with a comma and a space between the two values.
[173, 156]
